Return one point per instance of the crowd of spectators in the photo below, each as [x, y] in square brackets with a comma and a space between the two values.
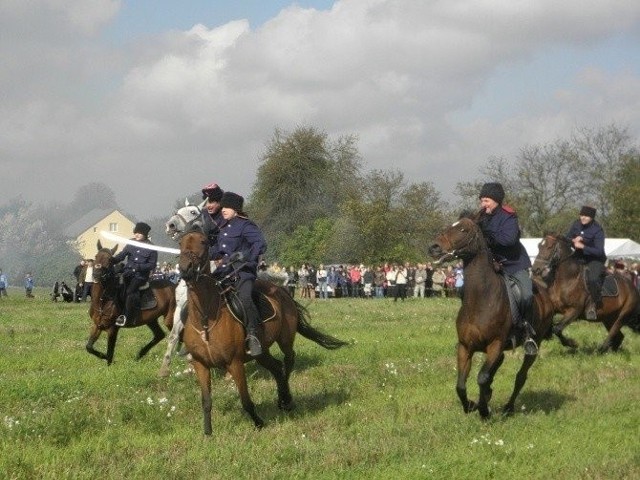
[391, 280]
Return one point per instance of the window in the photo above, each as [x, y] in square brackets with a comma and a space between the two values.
[113, 227]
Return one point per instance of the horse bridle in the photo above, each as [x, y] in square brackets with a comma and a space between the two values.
[456, 252]
[554, 258]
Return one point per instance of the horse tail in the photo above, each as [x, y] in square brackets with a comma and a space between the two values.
[307, 331]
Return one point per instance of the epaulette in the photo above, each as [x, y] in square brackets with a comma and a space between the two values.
[508, 209]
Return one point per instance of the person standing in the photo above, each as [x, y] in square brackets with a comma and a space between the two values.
[420, 279]
[28, 285]
[402, 277]
[321, 277]
[4, 283]
[499, 225]
[140, 262]
[587, 237]
[87, 277]
[239, 234]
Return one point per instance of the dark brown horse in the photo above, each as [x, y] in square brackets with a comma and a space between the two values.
[484, 321]
[215, 338]
[564, 275]
[105, 307]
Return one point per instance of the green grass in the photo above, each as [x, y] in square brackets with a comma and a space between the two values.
[384, 407]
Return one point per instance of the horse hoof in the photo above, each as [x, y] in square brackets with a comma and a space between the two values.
[507, 410]
[471, 407]
[286, 406]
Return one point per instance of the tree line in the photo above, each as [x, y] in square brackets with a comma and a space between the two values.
[316, 203]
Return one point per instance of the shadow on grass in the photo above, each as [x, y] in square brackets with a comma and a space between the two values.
[303, 362]
[546, 401]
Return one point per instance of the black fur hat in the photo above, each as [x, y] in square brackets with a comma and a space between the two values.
[588, 211]
[492, 190]
[232, 200]
[142, 228]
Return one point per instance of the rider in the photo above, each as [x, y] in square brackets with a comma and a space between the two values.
[140, 263]
[211, 214]
[239, 234]
[499, 224]
[588, 242]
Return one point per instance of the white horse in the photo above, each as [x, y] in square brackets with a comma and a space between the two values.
[174, 228]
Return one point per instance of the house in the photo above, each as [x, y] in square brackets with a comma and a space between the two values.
[84, 233]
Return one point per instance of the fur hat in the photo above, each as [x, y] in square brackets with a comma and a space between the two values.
[232, 200]
[492, 190]
[142, 228]
[588, 211]
[212, 192]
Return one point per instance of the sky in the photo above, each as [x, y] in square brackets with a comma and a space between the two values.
[156, 98]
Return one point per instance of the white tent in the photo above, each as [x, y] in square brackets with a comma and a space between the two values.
[613, 247]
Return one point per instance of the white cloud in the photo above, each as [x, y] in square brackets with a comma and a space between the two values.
[200, 105]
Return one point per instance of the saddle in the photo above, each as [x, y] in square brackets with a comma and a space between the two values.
[609, 284]
[515, 298]
[264, 304]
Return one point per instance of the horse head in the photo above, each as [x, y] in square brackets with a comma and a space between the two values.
[102, 267]
[462, 240]
[552, 250]
[180, 221]
[194, 254]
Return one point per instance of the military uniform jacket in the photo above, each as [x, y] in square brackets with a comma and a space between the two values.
[502, 232]
[211, 226]
[140, 261]
[593, 239]
[239, 235]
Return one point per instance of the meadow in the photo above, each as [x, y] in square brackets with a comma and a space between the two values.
[383, 407]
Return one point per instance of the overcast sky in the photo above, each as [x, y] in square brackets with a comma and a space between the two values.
[155, 98]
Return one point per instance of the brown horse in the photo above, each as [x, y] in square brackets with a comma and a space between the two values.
[484, 321]
[563, 273]
[105, 308]
[215, 338]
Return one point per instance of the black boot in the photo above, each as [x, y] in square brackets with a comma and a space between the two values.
[252, 343]
[530, 346]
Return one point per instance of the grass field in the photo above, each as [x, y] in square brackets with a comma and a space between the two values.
[383, 407]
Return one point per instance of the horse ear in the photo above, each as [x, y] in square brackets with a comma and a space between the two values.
[113, 250]
[99, 245]
[186, 202]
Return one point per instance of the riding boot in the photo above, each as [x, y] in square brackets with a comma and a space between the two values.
[252, 342]
[530, 346]
[590, 312]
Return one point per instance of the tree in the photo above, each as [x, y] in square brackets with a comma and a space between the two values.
[302, 178]
[624, 192]
[547, 183]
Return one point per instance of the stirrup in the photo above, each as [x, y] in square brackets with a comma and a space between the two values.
[121, 321]
[253, 346]
[530, 346]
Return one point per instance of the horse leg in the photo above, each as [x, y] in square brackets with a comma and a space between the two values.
[174, 337]
[494, 359]
[158, 335]
[288, 360]
[204, 378]
[464, 367]
[111, 344]
[236, 369]
[521, 378]
[93, 337]
[614, 336]
[275, 366]
[560, 326]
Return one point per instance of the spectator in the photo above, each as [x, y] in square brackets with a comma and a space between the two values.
[439, 279]
[428, 284]
[420, 280]
[355, 276]
[312, 282]
[367, 280]
[459, 276]
[332, 280]
[4, 283]
[391, 280]
[292, 281]
[87, 278]
[321, 278]
[379, 280]
[303, 281]
[28, 285]
[401, 283]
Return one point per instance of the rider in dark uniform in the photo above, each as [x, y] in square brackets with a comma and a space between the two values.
[140, 263]
[239, 234]
[499, 224]
[587, 237]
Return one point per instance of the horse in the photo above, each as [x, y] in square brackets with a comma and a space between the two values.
[563, 273]
[105, 307]
[182, 220]
[215, 338]
[484, 321]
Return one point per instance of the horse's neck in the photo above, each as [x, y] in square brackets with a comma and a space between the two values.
[479, 273]
[568, 268]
